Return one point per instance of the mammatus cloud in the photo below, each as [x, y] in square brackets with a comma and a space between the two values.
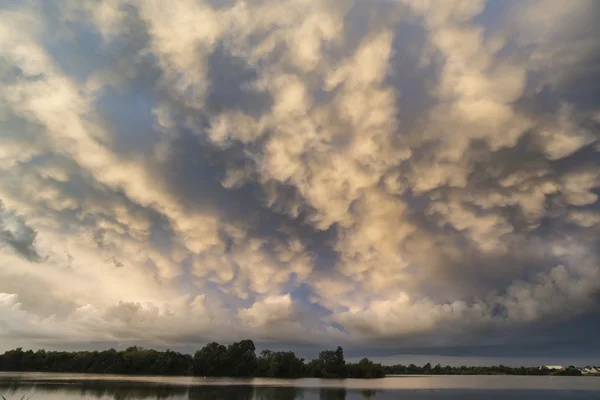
[20, 239]
[297, 171]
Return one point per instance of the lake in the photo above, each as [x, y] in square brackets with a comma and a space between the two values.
[77, 386]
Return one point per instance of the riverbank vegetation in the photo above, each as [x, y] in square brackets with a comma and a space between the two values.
[238, 359]
[428, 369]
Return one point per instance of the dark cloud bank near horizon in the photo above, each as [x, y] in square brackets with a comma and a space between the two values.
[411, 180]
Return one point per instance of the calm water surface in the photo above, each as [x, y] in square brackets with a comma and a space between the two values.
[76, 386]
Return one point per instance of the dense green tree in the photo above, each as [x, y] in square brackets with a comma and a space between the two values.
[282, 364]
[570, 371]
[133, 360]
[427, 368]
[212, 360]
[365, 369]
[330, 364]
[242, 358]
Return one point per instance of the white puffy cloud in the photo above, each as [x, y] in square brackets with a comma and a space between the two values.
[293, 169]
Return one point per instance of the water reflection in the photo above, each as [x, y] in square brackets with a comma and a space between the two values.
[93, 390]
[97, 387]
[221, 393]
[278, 393]
[332, 394]
[367, 394]
[245, 393]
[130, 391]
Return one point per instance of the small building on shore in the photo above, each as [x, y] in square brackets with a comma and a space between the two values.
[553, 367]
[590, 370]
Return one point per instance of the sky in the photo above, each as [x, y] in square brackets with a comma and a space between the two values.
[407, 179]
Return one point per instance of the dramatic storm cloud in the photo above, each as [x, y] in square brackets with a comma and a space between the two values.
[379, 174]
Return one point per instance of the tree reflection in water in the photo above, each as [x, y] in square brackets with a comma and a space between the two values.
[332, 394]
[221, 392]
[134, 391]
[368, 393]
[90, 389]
[278, 393]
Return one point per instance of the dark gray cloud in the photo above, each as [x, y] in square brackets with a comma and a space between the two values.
[21, 239]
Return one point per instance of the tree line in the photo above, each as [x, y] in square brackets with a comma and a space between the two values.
[428, 369]
[238, 359]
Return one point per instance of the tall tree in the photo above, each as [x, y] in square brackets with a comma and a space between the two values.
[242, 358]
[330, 364]
[212, 360]
[283, 364]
